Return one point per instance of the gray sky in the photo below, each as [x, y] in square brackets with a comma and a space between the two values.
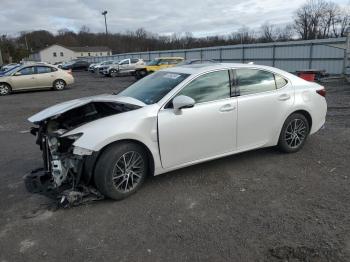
[201, 17]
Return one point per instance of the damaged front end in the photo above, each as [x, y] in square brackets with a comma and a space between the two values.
[68, 170]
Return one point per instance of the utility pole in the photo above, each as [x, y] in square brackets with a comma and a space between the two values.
[1, 62]
[347, 56]
[104, 13]
[25, 39]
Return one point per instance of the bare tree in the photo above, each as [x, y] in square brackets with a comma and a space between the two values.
[321, 19]
[268, 32]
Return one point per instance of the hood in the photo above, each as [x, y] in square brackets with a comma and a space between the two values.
[61, 108]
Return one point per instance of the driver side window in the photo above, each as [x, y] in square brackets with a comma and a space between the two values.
[209, 87]
[27, 71]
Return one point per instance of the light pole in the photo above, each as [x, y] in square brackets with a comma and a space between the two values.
[104, 13]
[347, 55]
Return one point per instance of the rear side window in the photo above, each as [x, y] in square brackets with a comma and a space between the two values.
[163, 62]
[43, 69]
[280, 81]
[173, 61]
[208, 87]
[134, 60]
[252, 81]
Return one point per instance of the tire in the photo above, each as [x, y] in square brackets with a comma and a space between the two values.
[115, 179]
[113, 72]
[5, 89]
[59, 85]
[140, 74]
[294, 133]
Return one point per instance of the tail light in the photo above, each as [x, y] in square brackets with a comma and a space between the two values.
[321, 92]
[70, 72]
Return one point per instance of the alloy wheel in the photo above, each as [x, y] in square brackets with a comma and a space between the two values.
[295, 133]
[4, 89]
[128, 171]
[59, 85]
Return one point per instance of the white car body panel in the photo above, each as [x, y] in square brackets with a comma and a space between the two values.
[253, 111]
[184, 136]
[179, 139]
[69, 105]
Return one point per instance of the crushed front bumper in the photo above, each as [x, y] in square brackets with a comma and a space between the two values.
[39, 181]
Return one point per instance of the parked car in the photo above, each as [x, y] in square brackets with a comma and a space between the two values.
[94, 68]
[35, 77]
[196, 61]
[76, 65]
[9, 66]
[125, 66]
[171, 119]
[91, 67]
[2, 73]
[157, 64]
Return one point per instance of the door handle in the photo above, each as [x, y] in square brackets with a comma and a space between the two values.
[284, 97]
[227, 108]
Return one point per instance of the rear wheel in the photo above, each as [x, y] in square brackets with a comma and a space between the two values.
[5, 89]
[121, 170]
[294, 133]
[59, 85]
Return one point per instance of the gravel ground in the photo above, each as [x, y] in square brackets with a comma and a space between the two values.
[256, 206]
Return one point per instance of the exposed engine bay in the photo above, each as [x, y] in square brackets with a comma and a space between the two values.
[67, 173]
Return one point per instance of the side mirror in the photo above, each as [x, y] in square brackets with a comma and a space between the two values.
[181, 102]
[17, 74]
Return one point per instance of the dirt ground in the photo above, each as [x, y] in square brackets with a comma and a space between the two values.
[256, 206]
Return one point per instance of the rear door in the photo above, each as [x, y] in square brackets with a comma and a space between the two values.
[45, 76]
[25, 78]
[264, 98]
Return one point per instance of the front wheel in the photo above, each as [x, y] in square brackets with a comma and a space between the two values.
[294, 133]
[113, 73]
[140, 74]
[59, 85]
[121, 170]
[5, 89]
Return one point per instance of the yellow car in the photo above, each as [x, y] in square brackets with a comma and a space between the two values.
[157, 64]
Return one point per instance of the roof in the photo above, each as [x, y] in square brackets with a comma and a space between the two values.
[89, 48]
[169, 57]
[194, 69]
[81, 48]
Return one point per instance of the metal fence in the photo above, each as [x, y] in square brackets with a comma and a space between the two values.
[324, 54]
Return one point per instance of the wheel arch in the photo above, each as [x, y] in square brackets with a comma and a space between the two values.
[53, 83]
[3, 82]
[91, 161]
[306, 114]
[297, 111]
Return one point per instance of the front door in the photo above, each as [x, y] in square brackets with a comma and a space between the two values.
[204, 131]
[24, 79]
[124, 65]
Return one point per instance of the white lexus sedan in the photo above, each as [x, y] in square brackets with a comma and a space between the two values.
[171, 119]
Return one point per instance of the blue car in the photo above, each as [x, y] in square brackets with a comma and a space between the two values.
[2, 73]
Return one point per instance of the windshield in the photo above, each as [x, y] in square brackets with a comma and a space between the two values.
[154, 87]
[154, 62]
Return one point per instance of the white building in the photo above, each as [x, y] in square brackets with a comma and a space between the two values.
[58, 53]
